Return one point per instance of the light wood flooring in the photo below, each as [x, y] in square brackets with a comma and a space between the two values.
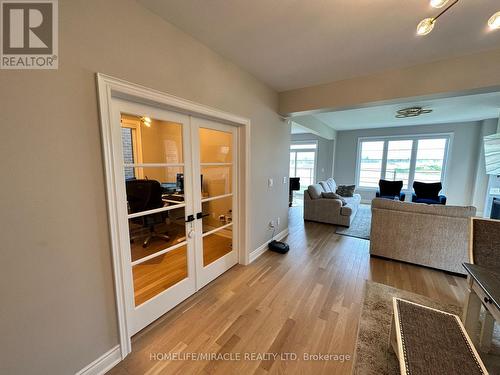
[307, 301]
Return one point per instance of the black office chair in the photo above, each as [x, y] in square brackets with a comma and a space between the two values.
[143, 195]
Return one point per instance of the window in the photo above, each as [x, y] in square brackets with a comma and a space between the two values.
[370, 169]
[402, 158]
[303, 163]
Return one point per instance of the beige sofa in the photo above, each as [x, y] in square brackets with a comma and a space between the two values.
[326, 210]
[429, 235]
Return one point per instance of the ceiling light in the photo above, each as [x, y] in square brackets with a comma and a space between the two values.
[494, 21]
[425, 26]
[412, 112]
[438, 3]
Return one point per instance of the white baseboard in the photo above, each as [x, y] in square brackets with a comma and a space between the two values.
[103, 364]
[264, 247]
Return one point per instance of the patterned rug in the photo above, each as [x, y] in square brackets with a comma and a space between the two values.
[373, 355]
[360, 227]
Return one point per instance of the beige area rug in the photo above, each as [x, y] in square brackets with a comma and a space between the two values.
[361, 224]
[373, 355]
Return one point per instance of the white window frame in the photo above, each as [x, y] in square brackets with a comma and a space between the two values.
[305, 142]
[415, 138]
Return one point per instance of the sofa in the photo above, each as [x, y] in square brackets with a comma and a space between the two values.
[327, 210]
[435, 236]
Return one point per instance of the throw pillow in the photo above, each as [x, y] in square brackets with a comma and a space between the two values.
[346, 190]
[334, 196]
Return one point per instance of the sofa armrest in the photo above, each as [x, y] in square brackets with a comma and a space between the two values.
[377, 193]
[442, 199]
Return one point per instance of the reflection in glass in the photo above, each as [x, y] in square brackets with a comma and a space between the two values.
[217, 213]
[215, 146]
[216, 245]
[152, 233]
[152, 141]
[158, 274]
[217, 180]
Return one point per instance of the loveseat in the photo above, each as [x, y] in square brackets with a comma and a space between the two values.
[327, 210]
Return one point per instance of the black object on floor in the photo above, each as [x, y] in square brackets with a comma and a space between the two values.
[279, 247]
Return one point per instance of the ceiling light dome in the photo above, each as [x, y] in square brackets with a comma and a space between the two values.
[425, 26]
[438, 3]
[494, 21]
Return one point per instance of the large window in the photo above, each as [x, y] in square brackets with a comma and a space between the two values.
[401, 158]
[303, 163]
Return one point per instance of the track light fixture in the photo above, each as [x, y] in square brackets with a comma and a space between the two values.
[425, 26]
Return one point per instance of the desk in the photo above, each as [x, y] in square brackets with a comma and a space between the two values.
[484, 288]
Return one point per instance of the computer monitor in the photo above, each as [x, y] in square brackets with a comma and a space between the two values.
[180, 182]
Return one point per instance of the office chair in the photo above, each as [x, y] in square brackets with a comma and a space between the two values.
[143, 195]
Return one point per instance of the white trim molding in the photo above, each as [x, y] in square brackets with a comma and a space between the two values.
[110, 89]
[103, 364]
[265, 246]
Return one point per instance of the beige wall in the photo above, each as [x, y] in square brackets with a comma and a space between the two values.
[441, 77]
[58, 311]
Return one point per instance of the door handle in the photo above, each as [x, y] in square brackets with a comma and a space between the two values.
[190, 218]
[201, 215]
[191, 233]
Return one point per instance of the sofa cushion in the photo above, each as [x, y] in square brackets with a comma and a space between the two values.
[421, 208]
[427, 191]
[346, 190]
[333, 185]
[325, 186]
[330, 195]
[315, 191]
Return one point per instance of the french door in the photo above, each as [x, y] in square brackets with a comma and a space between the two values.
[176, 192]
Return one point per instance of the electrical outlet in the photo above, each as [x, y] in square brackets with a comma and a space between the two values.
[271, 224]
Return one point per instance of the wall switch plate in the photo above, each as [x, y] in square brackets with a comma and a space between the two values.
[278, 221]
[270, 182]
[285, 179]
[495, 191]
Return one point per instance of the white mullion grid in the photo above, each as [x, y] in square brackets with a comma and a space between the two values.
[217, 229]
[153, 165]
[158, 253]
[155, 210]
[216, 197]
[413, 163]
[383, 170]
[216, 164]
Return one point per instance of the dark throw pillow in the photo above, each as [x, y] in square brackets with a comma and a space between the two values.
[427, 191]
[390, 188]
[334, 196]
[346, 190]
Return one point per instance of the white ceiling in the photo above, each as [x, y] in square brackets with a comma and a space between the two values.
[297, 129]
[455, 109]
[297, 43]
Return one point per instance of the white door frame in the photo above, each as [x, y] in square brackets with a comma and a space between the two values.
[110, 88]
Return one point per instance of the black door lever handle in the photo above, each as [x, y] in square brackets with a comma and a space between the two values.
[201, 215]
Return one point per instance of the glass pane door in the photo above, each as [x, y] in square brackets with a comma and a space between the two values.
[215, 161]
[156, 175]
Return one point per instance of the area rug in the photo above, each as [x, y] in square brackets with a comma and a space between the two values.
[373, 355]
[361, 224]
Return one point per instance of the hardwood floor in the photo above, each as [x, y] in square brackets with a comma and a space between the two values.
[307, 301]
